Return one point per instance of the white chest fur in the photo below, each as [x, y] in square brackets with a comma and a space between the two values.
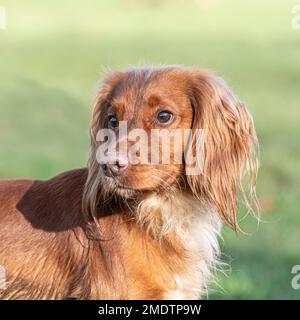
[197, 227]
[202, 243]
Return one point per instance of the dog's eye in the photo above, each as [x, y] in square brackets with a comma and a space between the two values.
[164, 116]
[113, 121]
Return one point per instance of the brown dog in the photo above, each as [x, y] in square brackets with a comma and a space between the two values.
[118, 230]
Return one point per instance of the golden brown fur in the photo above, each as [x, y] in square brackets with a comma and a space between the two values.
[150, 233]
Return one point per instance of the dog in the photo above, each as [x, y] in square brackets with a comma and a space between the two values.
[122, 230]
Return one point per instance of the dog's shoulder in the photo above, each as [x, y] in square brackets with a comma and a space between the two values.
[48, 202]
[66, 182]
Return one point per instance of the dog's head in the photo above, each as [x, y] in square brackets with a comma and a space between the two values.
[149, 115]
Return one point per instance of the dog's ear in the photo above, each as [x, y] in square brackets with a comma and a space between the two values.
[108, 88]
[229, 145]
[92, 191]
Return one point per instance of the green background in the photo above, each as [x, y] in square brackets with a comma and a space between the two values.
[53, 52]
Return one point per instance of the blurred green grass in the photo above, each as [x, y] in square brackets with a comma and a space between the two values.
[53, 52]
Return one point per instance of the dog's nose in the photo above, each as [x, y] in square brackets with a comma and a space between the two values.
[114, 169]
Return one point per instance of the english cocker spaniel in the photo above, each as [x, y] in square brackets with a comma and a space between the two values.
[169, 147]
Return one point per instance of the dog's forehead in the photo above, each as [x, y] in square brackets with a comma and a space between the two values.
[136, 86]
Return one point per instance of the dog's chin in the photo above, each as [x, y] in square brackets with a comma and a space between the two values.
[126, 192]
[115, 187]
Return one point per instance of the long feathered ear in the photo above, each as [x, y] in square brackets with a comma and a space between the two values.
[229, 146]
[92, 190]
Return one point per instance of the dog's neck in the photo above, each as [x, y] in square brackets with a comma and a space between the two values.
[172, 214]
